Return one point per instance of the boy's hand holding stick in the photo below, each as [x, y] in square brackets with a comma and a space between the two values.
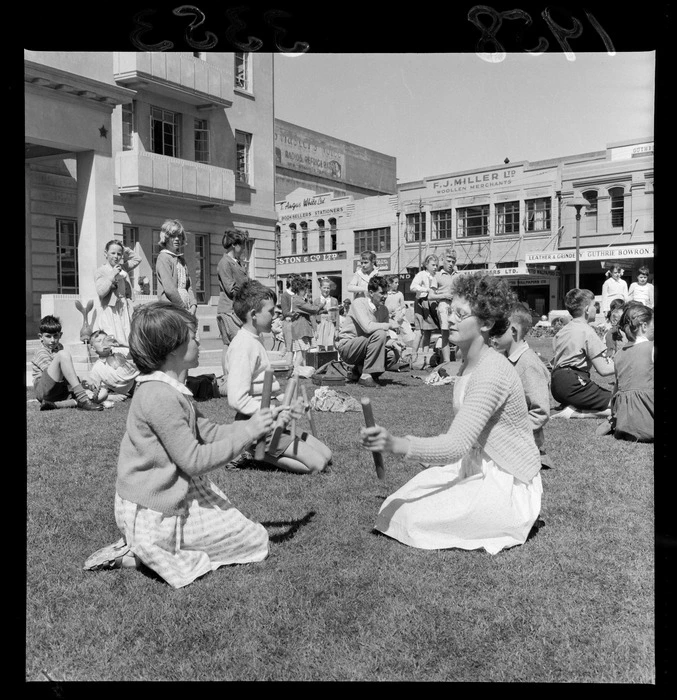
[280, 423]
[310, 410]
[370, 423]
[268, 375]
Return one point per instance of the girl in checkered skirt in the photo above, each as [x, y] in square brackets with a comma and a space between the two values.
[173, 519]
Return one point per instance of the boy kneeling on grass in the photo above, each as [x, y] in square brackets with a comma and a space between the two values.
[173, 518]
[245, 361]
[54, 378]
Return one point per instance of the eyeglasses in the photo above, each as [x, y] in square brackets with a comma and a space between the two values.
[453, 313]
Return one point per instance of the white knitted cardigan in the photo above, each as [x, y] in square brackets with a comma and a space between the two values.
[493, 415]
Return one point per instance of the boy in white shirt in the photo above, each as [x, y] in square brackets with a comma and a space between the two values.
[244, 363]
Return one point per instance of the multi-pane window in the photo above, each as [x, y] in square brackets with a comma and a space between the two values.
[473, 221]
[278, 244]
[591, 211]
[243, 71]
[320, 232]
[333, 234]
[376, 239]
[243, 147]
[201, 141]
[201, 281]
[292, 229]
[538, 214]
[617, 206]
[304, 237]
[416, 227]
[128, 126]
[507, 218]
[165, 127]
[67, 256]
[441, 224]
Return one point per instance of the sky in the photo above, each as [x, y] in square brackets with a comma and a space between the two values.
[439, 113]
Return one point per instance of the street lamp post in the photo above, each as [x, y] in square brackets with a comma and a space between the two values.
[578, 202]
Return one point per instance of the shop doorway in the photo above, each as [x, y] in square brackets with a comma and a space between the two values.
[537, 298]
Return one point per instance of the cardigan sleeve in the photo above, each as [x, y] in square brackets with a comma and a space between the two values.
[486, 392]
[131, 259]
[104, 280]
[357, 285]
[192, 455]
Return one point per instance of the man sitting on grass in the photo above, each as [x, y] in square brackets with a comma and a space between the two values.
[54, 378]
[363, 337]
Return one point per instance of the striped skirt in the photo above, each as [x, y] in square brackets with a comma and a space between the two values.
[180, 548]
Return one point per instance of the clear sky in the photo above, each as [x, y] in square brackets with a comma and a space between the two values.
[439, 113]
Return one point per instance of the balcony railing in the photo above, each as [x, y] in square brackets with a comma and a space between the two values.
[177, 75]
[139, 173]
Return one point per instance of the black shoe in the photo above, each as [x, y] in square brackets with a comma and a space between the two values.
[48, 406]
[87, 405]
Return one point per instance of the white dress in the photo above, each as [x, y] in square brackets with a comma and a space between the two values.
[469, 504]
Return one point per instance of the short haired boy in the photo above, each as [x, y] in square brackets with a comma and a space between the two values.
[54, 378]
[578, 348]
[113, 372]
[532, 372]
[244, 363]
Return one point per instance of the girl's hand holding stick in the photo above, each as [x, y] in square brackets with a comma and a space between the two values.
[370, 423]
[265, 403]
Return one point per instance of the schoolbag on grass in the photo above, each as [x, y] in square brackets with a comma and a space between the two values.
[332, 373]
[203, 387]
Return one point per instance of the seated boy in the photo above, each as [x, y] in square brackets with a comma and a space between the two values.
[578, 348]
[113, 375]
[531, 370]
[54, 378]
[244, 363]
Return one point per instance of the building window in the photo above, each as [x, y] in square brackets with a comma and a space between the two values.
[201, 281]
[617, 207]
[376, 239]
[67, 256]
[128, 126]
[201, 141]
[473, 221]
[292, 229]
[243, 146]
[512, 263]
[415, 227]
[507, 218]
[278, 242]
[243, 71]
[165, 127]
[441, 224]
[590, 212]
[538, 214]
[320, 230]
[333, 234]
[304, 237]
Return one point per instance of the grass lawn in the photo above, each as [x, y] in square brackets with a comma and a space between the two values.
[334, 600]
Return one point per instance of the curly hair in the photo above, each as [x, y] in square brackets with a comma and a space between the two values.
[299, 283]
[234, 236]
[157, 329]
[170, 228]
[490, 298]
[251, 297]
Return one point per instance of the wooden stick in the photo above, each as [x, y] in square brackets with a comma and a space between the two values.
[370, 423]
[268, 376]
[313, 430]
[293, 420]
[279, 427]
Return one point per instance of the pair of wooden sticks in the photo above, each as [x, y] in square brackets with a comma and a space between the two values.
[290, 394]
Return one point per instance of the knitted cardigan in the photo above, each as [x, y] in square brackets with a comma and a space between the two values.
[168, 442]
[494, 416]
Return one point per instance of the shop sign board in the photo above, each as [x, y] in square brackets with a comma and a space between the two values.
[645, 250]
[312, 258]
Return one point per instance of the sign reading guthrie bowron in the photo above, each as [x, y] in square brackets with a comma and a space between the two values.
[311, 258]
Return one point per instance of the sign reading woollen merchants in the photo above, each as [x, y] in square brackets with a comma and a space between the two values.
[631, 251]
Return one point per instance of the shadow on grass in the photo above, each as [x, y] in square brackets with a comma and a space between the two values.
[293, 527]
